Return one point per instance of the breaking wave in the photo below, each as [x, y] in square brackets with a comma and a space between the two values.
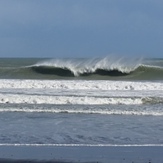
[105, 68]
[86, 67]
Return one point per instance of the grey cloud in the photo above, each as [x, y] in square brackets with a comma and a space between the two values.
[81, 26]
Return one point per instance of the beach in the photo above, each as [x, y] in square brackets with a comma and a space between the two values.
[82, 111]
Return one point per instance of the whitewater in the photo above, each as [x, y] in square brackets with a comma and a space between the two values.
[81, 101]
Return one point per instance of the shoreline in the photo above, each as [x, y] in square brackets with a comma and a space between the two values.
[81, 154]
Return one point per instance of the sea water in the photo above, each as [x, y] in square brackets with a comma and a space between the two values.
[96, 101]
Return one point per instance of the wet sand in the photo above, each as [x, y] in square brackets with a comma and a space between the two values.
[81, 154]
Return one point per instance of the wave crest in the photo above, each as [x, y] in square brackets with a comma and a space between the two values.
[75, 67]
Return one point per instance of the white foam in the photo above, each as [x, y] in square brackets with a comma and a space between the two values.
[85, 145]
[80, 85]
[83, 92]
[81, 111]
[36, 99]
[78, 67]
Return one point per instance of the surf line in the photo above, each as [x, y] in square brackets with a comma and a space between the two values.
[86, 145]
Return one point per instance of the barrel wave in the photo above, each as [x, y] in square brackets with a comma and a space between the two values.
[105, 68]
[98, 68]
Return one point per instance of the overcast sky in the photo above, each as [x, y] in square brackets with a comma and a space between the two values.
[81, 28]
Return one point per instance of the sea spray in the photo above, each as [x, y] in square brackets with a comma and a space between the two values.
[90, 66]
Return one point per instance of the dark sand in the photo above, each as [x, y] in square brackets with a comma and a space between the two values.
[81, 154]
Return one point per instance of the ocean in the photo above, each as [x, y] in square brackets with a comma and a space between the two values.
[74, 102]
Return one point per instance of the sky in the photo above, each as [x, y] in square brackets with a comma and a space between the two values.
[81, 28]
